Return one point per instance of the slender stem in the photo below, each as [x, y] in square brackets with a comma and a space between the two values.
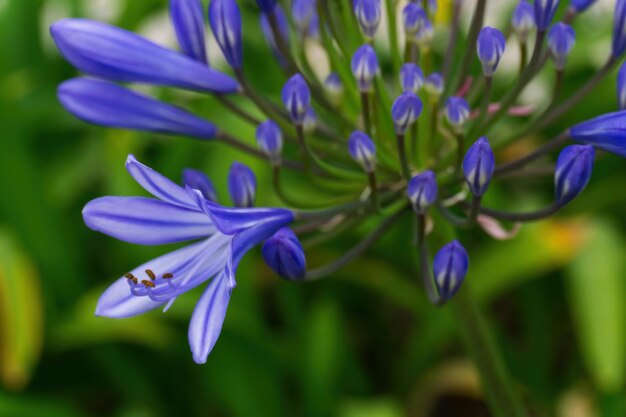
[542, 150]
[413, 147]
[393, 35]
[498, 388]
[404, 164]
[460, 153]
[304, 147]
[453, 38]
[474, 210]
[365, 109]
[523, 56]
[234, 108]
[523, 217]
[477, 24]
[422, 249]
[371, 176]
[484, 106]
[432, 134]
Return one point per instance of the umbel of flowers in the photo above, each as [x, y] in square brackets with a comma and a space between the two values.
[418, 140]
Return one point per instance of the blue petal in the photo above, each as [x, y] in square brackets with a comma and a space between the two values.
[225, 21]
[188, 19]
[108, 104]
[109, 52]
[200, 181]
[146, 221]
[208, 318]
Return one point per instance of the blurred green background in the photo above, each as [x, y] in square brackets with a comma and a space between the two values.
[362, 344]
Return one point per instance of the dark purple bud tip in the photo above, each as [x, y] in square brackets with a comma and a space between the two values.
[201, 182]
[365, 67]
[405, 111]
[478, 166]
[368, 14]
[225, 20]
[362, 150]
[269, 137]
[241, 185]
[490, 47]
[296, 98]
[573, 172]
[422, 191]
[266, 6]
[283, 253]
[450, 268]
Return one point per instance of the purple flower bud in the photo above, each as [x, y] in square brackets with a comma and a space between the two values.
[619, 28]
[310, 121]
[296, 98]
[303, 13]
[368, 14]
[606, 132]
[621, 87]
[450, 268]
[266, 6]
[283, 253]
[413, 18]
[200, 181]
[561, 39]
[365, 67]
[334, 86]
[241, 185]
[434, 85]
[268, 33]
[432, 7]
[490, 47]
[362, 150]
[457, 112]
[581, 5]
[523, 20]
[478, 166]
[269, 137]
[405, 111]
[225, 20]
[544, 12]
[573, 172]
[422, 191]
[188, 20]
[425, 35]
[411, 78]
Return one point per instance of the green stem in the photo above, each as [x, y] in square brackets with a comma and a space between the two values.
[393, 35]
[366, 111]
[477, 23]
[371, 176]
[404, 164]
[523, 56]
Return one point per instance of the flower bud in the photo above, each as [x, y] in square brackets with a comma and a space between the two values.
[450, 268]
[304, 13]
[424, 37]
[200, 181]
[432, 7]
[411, 78]
[573, 172]
[225, 20]
[269, 137]
[266, 6]
[606, 132]
[296, 98]
[362, 150]
[478, 166]
[241, 185]
[283, 253]
[413, 17]
[188, 20]
[544, 12]
[310, 121]
[457, 112]
[619, 28]
[365, 67]
[334, 87]
[422, 191]
[581, 5]
[561, 40]
[490, 47]
[268, 33]
[434, 85]
[405, 111]
[523, 20]
[621, 87]
[368, 14]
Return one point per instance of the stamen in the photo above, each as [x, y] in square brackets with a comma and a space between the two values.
[168, 275]
[148, 284]
[150, 274]
[131, 278]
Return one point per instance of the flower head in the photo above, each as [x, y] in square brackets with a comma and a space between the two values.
[490, 47]
[422, 191]
[411, 78]
[284, 254]
[606, 132]
[296, 98]
[365, 67]
[478, 166]
[561, 38]
[544, 12]
[573, 172]
[405, 111]
[225, 20]
[368, 14]
[363, 150]
[242, 185]
[523, 20]
[457, 112]
[450, 268]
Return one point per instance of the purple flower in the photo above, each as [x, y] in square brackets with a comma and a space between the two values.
[581, 5]
[450, 268]
[188, 20]
[269, 137]
[108, 104]
[225, 20]
[362, 150]
[422, 191]
[242, 185]
[368, 14]
[365, 67]
[523, 20]
[411, 78]
[478, 166]
[621, 87]
[544, 12]
[606, 132]
[198, 180]
[334, 86]
[414, 18]
[222, 235]
[266, 6]
[561, 39]
[573, 172]
[284, 254]
[405, 111]
[268, 33]
[457, 112]
[434, 84]
[490, 47]
[296, 98]
[304, 13]
[619, 28]
[108, 52]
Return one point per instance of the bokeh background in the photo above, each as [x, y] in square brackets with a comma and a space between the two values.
[364, 343]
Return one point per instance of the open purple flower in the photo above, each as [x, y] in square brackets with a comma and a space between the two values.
[222, 236]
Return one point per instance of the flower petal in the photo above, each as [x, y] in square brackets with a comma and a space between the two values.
[116, 54]
[208, 318]
[108, 104]
[188, 19]
[146, 221]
